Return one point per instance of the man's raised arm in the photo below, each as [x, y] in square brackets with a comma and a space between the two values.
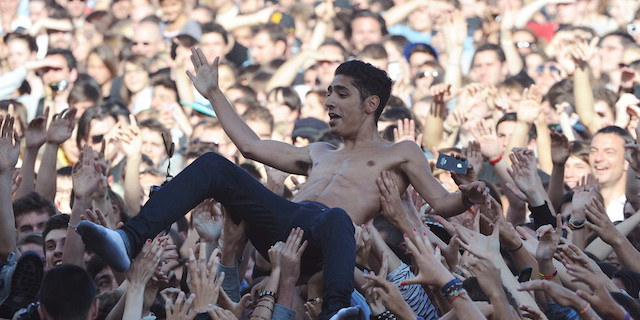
[446, 204]
[276, 154]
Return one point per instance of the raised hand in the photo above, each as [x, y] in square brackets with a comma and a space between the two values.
[531, 105]
[600, 222]
[394, 208]
[560, 151]
[86, 174]
[583, 193]
[202, 281]
[130, 137]
[292, 253]
[484, 131]
[207, 220]
[473, 152]
[61, 126]
[96, 217]
[523, 170]
[206, 78]
[406, 131]
[481, 246]
[548, 242]
[144, 265]
[430, 270]
[476, 192]
[180, 309]
[488, 276]
[632, 152]
[555, 291]
[220, 314]
[9, 145]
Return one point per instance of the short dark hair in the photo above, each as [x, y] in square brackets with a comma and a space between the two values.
[31, 42]
[366, 14]
[212, 27]
[622, 133]
[512, 116]
[59, 221]
[97, 112]
[373, 51]
[68, 56]
[67, 292]
[290, 98]
[33, 202]
[369, 81]
[85, 88]
[491, 47]
[276, 32]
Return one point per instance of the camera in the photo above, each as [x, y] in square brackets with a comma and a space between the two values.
[59, 86]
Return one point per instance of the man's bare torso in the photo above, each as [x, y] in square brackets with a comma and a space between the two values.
[346, 178]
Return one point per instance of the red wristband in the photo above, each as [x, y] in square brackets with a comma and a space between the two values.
[496, 160]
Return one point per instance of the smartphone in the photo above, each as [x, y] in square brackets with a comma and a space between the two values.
[525, 274]
[450, 163]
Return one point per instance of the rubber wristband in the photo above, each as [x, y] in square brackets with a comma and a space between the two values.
[585, 308]
[496, 160]
[627, 316]
[547, 277]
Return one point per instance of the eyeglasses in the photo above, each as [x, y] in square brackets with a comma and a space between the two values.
[632, 29]
[540, 69]
[432, 74]
[525, 44]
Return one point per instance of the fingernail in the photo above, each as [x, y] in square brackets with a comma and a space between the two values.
[414, 230]
[403, 283]
[406, 236]
[148, 240]
[424, 234]
[437, 247]
[163, 245]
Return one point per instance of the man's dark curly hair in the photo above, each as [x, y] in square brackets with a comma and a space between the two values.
[369, 80]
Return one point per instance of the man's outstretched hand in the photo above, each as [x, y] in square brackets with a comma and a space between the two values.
[206, 77]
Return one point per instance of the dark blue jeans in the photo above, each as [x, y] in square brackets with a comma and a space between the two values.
[270, 218]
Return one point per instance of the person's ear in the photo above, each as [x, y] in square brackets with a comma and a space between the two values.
[95, 308]
[371, 104]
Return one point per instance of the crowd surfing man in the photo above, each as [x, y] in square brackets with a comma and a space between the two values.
[341, 188]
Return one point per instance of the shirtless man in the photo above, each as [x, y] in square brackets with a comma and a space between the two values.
[340, 190]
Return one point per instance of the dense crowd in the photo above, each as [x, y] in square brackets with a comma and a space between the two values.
[110, 105]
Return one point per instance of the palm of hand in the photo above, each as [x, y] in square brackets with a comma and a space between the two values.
[580, 200]
[9, 153]
[547, 246]
[489, 145]
[528, 110]
[559, 153]
[85, 181]
[206, 79]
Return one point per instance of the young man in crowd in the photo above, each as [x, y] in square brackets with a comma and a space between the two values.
[341, 188]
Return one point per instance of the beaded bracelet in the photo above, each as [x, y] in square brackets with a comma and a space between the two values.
[449, 284]
[386, 315]
[267, 293]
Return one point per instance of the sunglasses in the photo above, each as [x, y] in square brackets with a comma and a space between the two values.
[552, 69]
[525, 44]
[432, 74]
[97, 138]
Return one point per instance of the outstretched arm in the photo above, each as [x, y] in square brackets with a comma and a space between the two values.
[444, 203]
[276, 154]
